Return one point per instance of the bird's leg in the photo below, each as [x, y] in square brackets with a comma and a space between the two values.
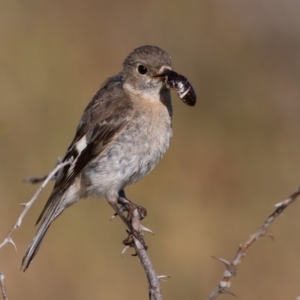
[134, 228]
[129, 206]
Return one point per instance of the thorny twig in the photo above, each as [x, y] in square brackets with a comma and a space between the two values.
[153, 278]
[17, 225]
[231, 267]
[27, 205]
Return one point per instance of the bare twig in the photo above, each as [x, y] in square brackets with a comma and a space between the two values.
[17, 225]
[2, 285]
[27, 205]
[231, 267]
[153, 278]
[135, 240]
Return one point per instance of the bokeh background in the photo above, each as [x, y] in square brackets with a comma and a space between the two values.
[232, 157]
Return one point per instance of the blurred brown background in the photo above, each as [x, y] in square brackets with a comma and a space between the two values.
[231, 159]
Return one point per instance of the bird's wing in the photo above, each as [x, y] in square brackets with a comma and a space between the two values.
[103, 120]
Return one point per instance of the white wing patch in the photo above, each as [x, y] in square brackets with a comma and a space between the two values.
[81, 144]
[79, 147]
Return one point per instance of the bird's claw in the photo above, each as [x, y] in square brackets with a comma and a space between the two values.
[129, 206]
[135, 213]
[129, 241]
[122, 209]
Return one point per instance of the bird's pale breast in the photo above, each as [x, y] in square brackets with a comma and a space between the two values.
[133, 154]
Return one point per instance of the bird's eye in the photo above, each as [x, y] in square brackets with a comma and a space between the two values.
[142, 69]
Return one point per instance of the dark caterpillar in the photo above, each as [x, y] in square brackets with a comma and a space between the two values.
[181, 85]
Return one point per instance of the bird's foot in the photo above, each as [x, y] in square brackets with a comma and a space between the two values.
[135, 213]
[130, 207]
[129, 241]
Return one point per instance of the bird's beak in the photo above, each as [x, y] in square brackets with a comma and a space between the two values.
[163, 72]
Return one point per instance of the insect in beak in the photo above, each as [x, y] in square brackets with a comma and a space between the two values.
[180, 84]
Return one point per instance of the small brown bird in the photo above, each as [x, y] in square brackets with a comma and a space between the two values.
[123, 133]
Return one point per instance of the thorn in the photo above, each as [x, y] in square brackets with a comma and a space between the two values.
[224, 261]
[230, 268]
[23, 204]
[143, 228]
[122, 208]
[162, 277]
[264, 233]
[270, 235]
[124, 250]
[10, 240]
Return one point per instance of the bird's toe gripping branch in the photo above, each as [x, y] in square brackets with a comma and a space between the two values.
[135, 213]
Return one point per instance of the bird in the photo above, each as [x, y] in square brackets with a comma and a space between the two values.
[123, 133]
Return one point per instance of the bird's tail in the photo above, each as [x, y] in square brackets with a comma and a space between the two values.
[35, 244]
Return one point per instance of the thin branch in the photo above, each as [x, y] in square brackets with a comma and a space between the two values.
[27, 205]
[152, 277]
[17, 225]
[2, 285]
[231, 267]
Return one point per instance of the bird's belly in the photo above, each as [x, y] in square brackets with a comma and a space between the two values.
[128, 159]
